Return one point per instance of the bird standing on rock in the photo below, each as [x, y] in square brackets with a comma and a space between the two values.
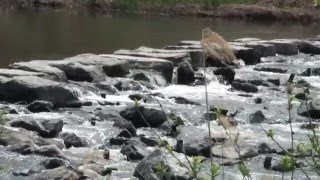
[216, 48]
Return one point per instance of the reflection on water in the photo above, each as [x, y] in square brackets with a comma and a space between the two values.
[57, 34]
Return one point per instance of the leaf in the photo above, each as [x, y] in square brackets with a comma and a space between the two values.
[270, 133]
[215, 168]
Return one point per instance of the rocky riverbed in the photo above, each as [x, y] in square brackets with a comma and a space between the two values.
[102, 116]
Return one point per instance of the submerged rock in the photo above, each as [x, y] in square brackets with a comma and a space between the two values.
[40, 106]
[71, 139]
[226, 73]
[246, 87]
[135, 150]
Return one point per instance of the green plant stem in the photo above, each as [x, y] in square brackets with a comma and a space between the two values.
[291, 129]
[207, 111]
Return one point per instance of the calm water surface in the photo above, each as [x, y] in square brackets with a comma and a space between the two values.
[57, 34]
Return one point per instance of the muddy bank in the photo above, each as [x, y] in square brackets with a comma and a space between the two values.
[256, 12]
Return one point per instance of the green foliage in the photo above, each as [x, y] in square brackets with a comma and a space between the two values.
[287, 162]
[244, 170]
[270, 133]
[161, 169]
[215, 169]
[195, 165]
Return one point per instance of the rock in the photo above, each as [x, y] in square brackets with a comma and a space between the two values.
[107, 87]
[45, 127]
[249, 55]
[9, 73]
[153, 141]
[125, 125]
[119, 141]
[265, 48]
[15, 89]
[144, 169]
[273, 68]
[135, 150]
[116, 69]
[51, 3]
[127, 85]
[267, 162]
[314, 109]
[311, 72]
[79, 72]
[257, 117]
[175, 57]
[23, 148]
[71, 139]
[61, 172]
[53, 163]
[40, 106]
[195, 141]
[40, 66]
[258, 100]
[246, 87]
[163, 66]
[182, 100]
[141, 77]
[278, 167]
[309, 47]
[50, 151]
[226, 73]
[285, 46]
[185, 73]
[215, 62]
[264, 148]
[309, 126]
[230, 152]
[139, 97]
[153, 117]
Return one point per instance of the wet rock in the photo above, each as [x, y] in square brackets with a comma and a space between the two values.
[71, 139]
[24, 148]
[107, 87]
[267, 162]
[185, 73]
[309, 47]
[79, 72]
[116, 68]
[246, 87]
[227, 74]
[249, 55]
[311, 72]
[40, 106]
[53, 163]
[285, 46]
[278, 167]
[257, 117]
[135, 150]
[139, 97]
[138, 116]
[265, 48]
[61, 172]
[309, 126]
[142, 77]
[215, 62]
[275, 81]
[127, 85]
[50, 151]
[272, 68]
[314, 109]
[153, 141]
[9, 73]
[195, 141]
[182, 100]
[125, 133]
[41, 67]
[264, 148]
[119, 141]
[162, 66]
[230, 152]
[258, 100]
[15, 89]
[128, 128]
[45, 127]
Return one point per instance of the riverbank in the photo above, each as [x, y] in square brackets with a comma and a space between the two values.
[249, 9]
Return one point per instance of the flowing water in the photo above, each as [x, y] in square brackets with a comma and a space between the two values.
[57, 34]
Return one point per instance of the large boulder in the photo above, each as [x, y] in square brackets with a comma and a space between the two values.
[309, 47]
[185, 73]
[50, 127]
[285, 46]
[41, 66]
[250, 56]
[143, 116]
[30, 88]
[79, 72]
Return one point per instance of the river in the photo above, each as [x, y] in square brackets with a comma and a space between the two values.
[28, 35]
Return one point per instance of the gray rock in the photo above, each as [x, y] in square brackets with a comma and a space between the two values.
[53, 163]
[79, 72]
[16, 72]
[257, 117]
[227, 74]
[276, 68]
[246, 87]
[50, 151]
[138, 116]
[185, 73]
[41, 66]
[314, 109]
[71, 139]
[61, 172]
[285, 46]
[40, 106]
[15, 89]
[249, 55]
[309, 47]
[45, 127]
[135, 150]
